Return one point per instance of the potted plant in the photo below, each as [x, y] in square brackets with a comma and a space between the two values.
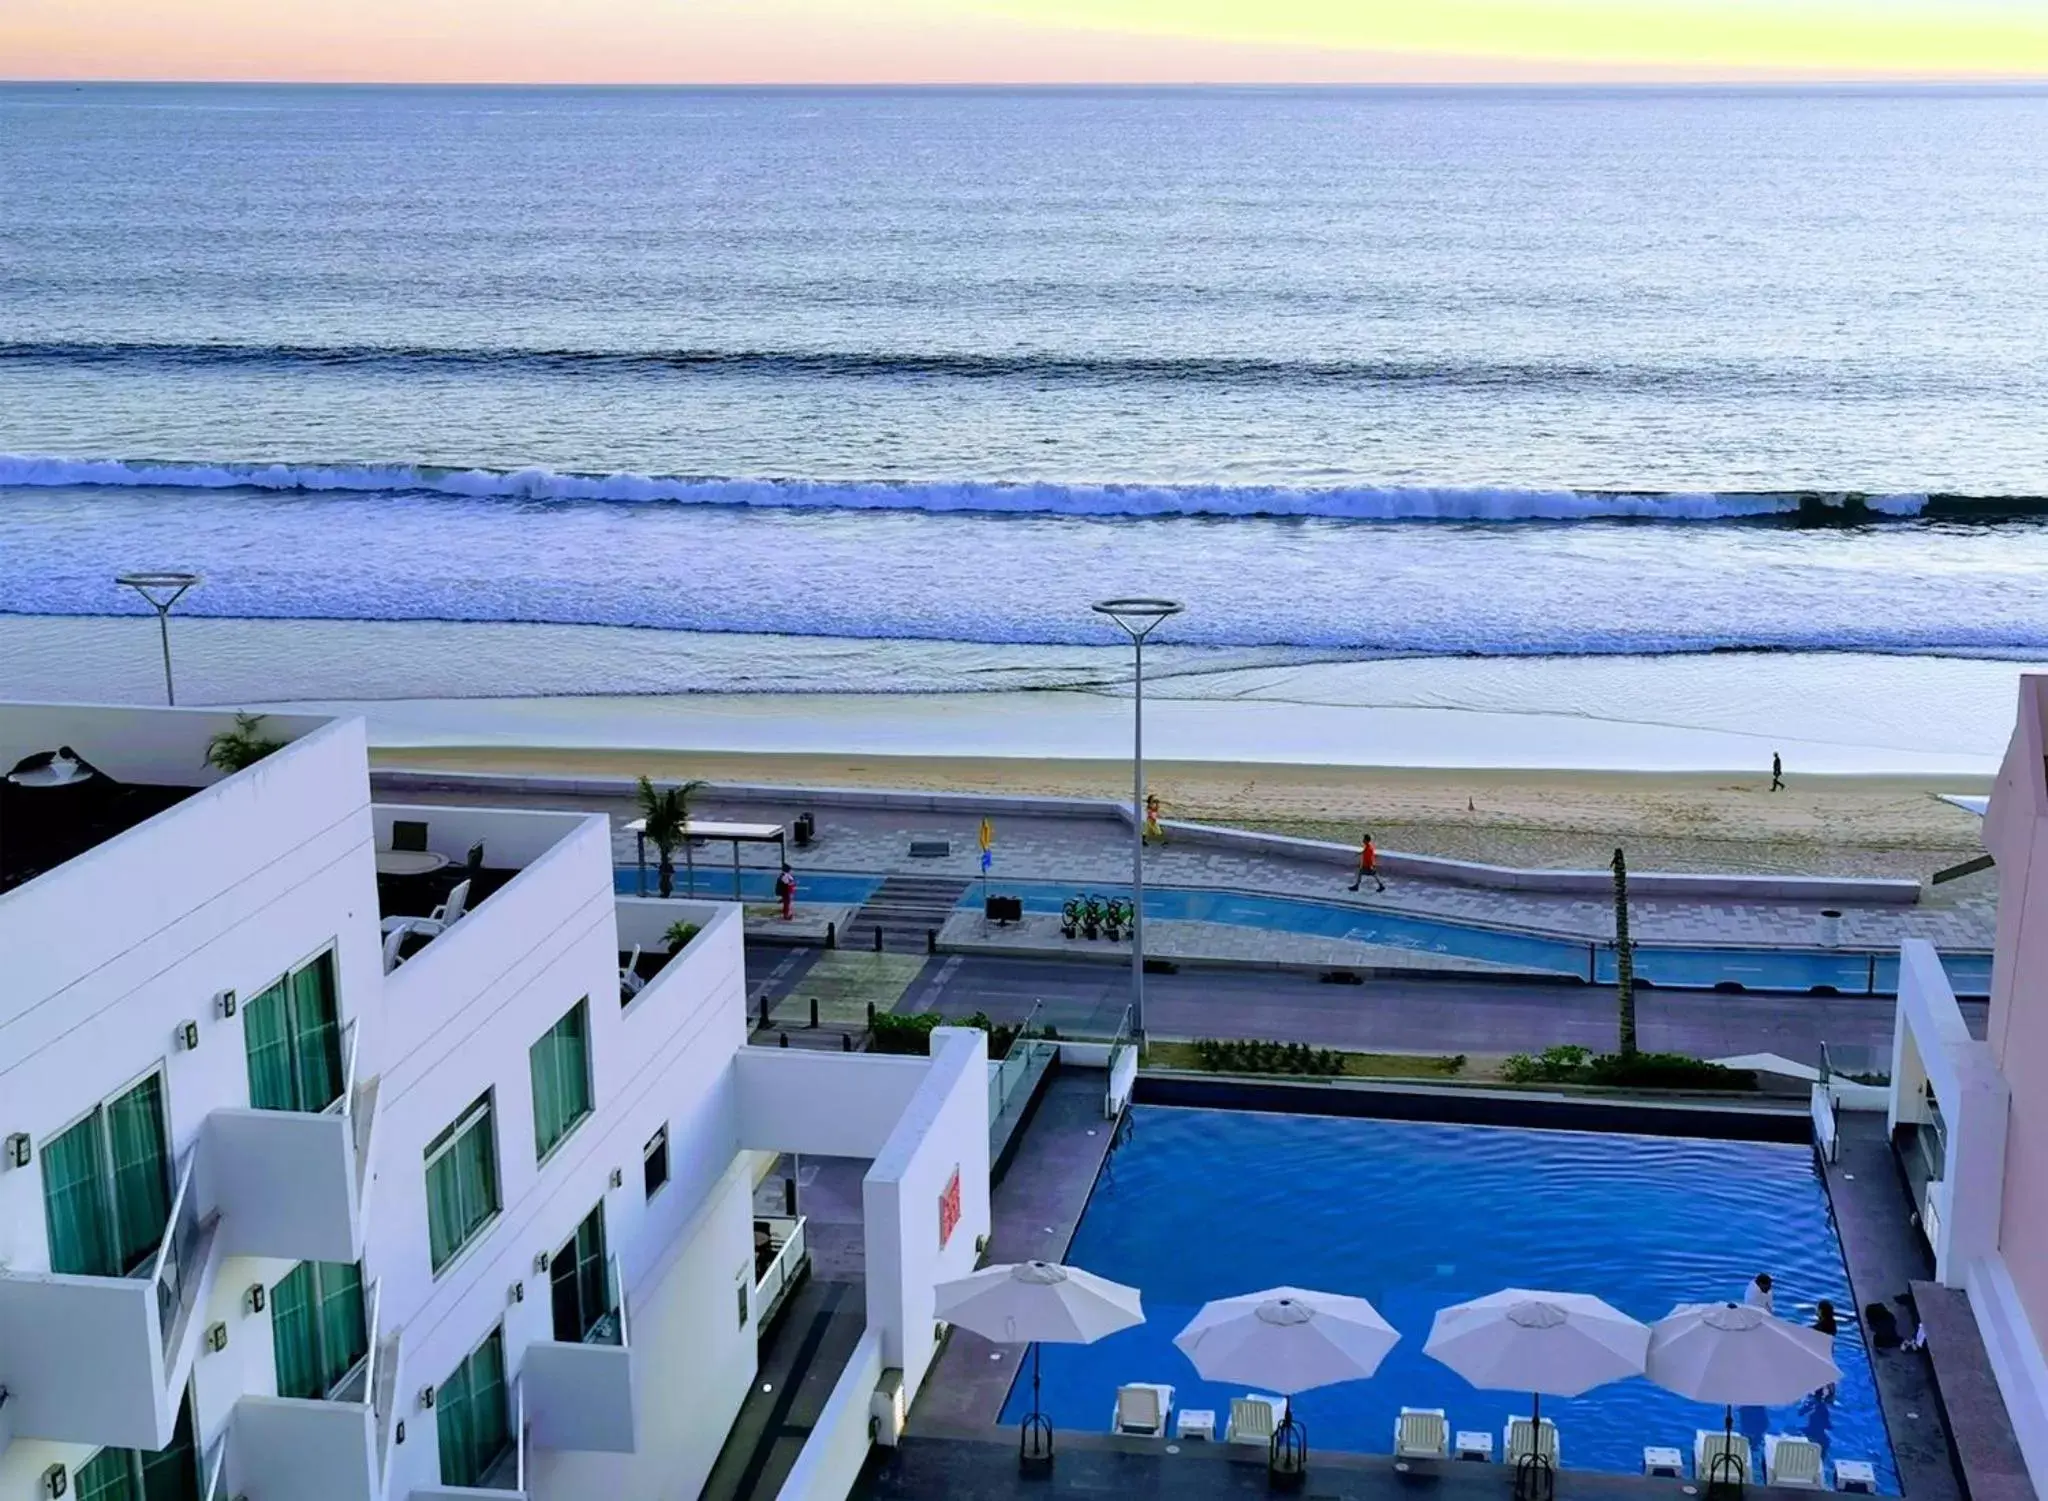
[244, 745]
[667, 814]
[678, 934]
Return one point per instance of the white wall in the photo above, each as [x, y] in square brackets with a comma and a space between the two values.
[108, 954]
[827, 1104]
[838, 1447]
[944, 1130]
[287, 1450]
[693, 1358]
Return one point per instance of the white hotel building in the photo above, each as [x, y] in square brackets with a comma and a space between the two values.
[294, 1210]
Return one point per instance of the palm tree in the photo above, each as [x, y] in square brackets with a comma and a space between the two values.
[244, 745]
[1624, 957]
[667, 815]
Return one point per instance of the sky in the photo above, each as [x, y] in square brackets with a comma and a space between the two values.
[1022, 41]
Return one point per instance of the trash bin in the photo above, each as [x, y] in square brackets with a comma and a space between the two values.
[1830, 928]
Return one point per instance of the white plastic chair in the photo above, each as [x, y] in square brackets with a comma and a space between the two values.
[1792, 1459]
[1708, 1445]
[1520, 1440]
[1253, 1419]
[1422, 1433]
[1142, 1408]
[630, 981]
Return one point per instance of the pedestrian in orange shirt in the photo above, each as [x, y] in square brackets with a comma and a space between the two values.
[1369, 865]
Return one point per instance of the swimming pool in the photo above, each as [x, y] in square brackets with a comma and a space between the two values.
[757, 884]
[1201, 1204]
[1847, 972]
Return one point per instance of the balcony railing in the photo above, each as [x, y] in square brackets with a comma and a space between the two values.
[792, 1254]
[610, 1326]
[176, 1266]
[578, 1393]
[356, 1103]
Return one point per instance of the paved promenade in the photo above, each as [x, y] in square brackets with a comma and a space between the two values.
[1095, 853]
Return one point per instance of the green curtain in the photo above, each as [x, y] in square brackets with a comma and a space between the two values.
[470, 1414]
[590, 1278]
[462, 1188]
[560, 1064]
[167, 1474]
[294, 1335]
[344, 1339]
[75, 1201]
[266, 1036]
[142, 1177]
[316, 1037]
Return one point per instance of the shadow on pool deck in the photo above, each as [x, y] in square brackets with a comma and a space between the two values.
[982, 1466]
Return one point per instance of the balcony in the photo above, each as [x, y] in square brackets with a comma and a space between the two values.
[334, 1449]
[507, 1478]
[289, 1183]
[580, 1395]
[781, 1261]
[436, 866]
[104, 1360]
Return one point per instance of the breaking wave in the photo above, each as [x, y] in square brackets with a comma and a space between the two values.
[1347, 503]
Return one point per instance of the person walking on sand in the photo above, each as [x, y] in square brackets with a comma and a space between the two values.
[1777, 773]
[1368, 865]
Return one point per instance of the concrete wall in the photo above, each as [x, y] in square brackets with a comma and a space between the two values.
[838, 1446]
[466, 1016]
[943, 1132]
[693, 1357]
[109, 954]
[826, 1104]
[300, 1451]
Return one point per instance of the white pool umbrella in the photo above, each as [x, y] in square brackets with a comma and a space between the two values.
[1738, 1355]
[1735, 1353]
[1044, 1303]
[1287, 1339]
[1553, 1344]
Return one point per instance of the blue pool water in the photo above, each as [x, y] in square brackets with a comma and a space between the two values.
[1849, 972]
[757, 884]
[1201, 1204]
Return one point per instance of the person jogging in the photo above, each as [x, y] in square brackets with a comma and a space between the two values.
[1368, 865]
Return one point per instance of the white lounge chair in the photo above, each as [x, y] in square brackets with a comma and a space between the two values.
[1521, 1439]
[630, 981]
[1708, 1445]
[396, 929]
[1253, 1419]
[454, 907]
[1142, 1408]
[1792, 1459]
[1422, 1433]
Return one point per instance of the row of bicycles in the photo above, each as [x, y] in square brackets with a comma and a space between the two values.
[1091, 916]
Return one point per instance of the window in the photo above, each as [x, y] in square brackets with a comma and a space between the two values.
[107, 1186]
[654, 1162]
[470, 1414]
[577, 1274]
[317, 1328]
[462, 1182]
[167, 1474]
[294, 1041]
[561, 1078]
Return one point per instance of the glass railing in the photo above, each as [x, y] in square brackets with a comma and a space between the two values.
[609, 1328]
[213, 1471]
[344, 1103]
[175, 1267]
[791, 1245]
[360, 1384]
[1018, 1070]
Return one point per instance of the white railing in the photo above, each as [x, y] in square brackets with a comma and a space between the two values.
[173, 1268]
[215, 1466]
[1123, 1069]
[343, 1104]
[790, 1255]
[519, 1461]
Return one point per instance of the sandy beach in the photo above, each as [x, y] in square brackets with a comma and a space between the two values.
[1890, 825]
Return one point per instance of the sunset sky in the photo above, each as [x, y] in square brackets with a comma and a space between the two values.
[1021, 41]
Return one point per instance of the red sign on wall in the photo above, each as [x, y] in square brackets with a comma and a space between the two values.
[949, 1209]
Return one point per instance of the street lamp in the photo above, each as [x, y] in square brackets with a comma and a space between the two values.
[1139, 618]
[162, 590]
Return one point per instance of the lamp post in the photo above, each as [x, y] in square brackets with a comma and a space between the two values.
[1138, 618]
[162, 590]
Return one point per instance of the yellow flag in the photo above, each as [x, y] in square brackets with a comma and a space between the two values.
[988, 834]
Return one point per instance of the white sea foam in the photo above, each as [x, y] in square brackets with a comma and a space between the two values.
[535, 483]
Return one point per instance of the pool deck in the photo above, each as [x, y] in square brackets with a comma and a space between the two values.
[982, 1466]
[1034, 1212]
[1885, 1255]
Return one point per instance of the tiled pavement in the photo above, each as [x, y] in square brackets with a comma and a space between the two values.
[1097, 853]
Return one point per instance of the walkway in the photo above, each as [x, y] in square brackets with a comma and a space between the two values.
[1097, 853]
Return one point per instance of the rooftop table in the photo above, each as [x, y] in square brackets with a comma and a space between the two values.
[736, 834]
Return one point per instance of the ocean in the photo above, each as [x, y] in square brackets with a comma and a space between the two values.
[888, 386]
